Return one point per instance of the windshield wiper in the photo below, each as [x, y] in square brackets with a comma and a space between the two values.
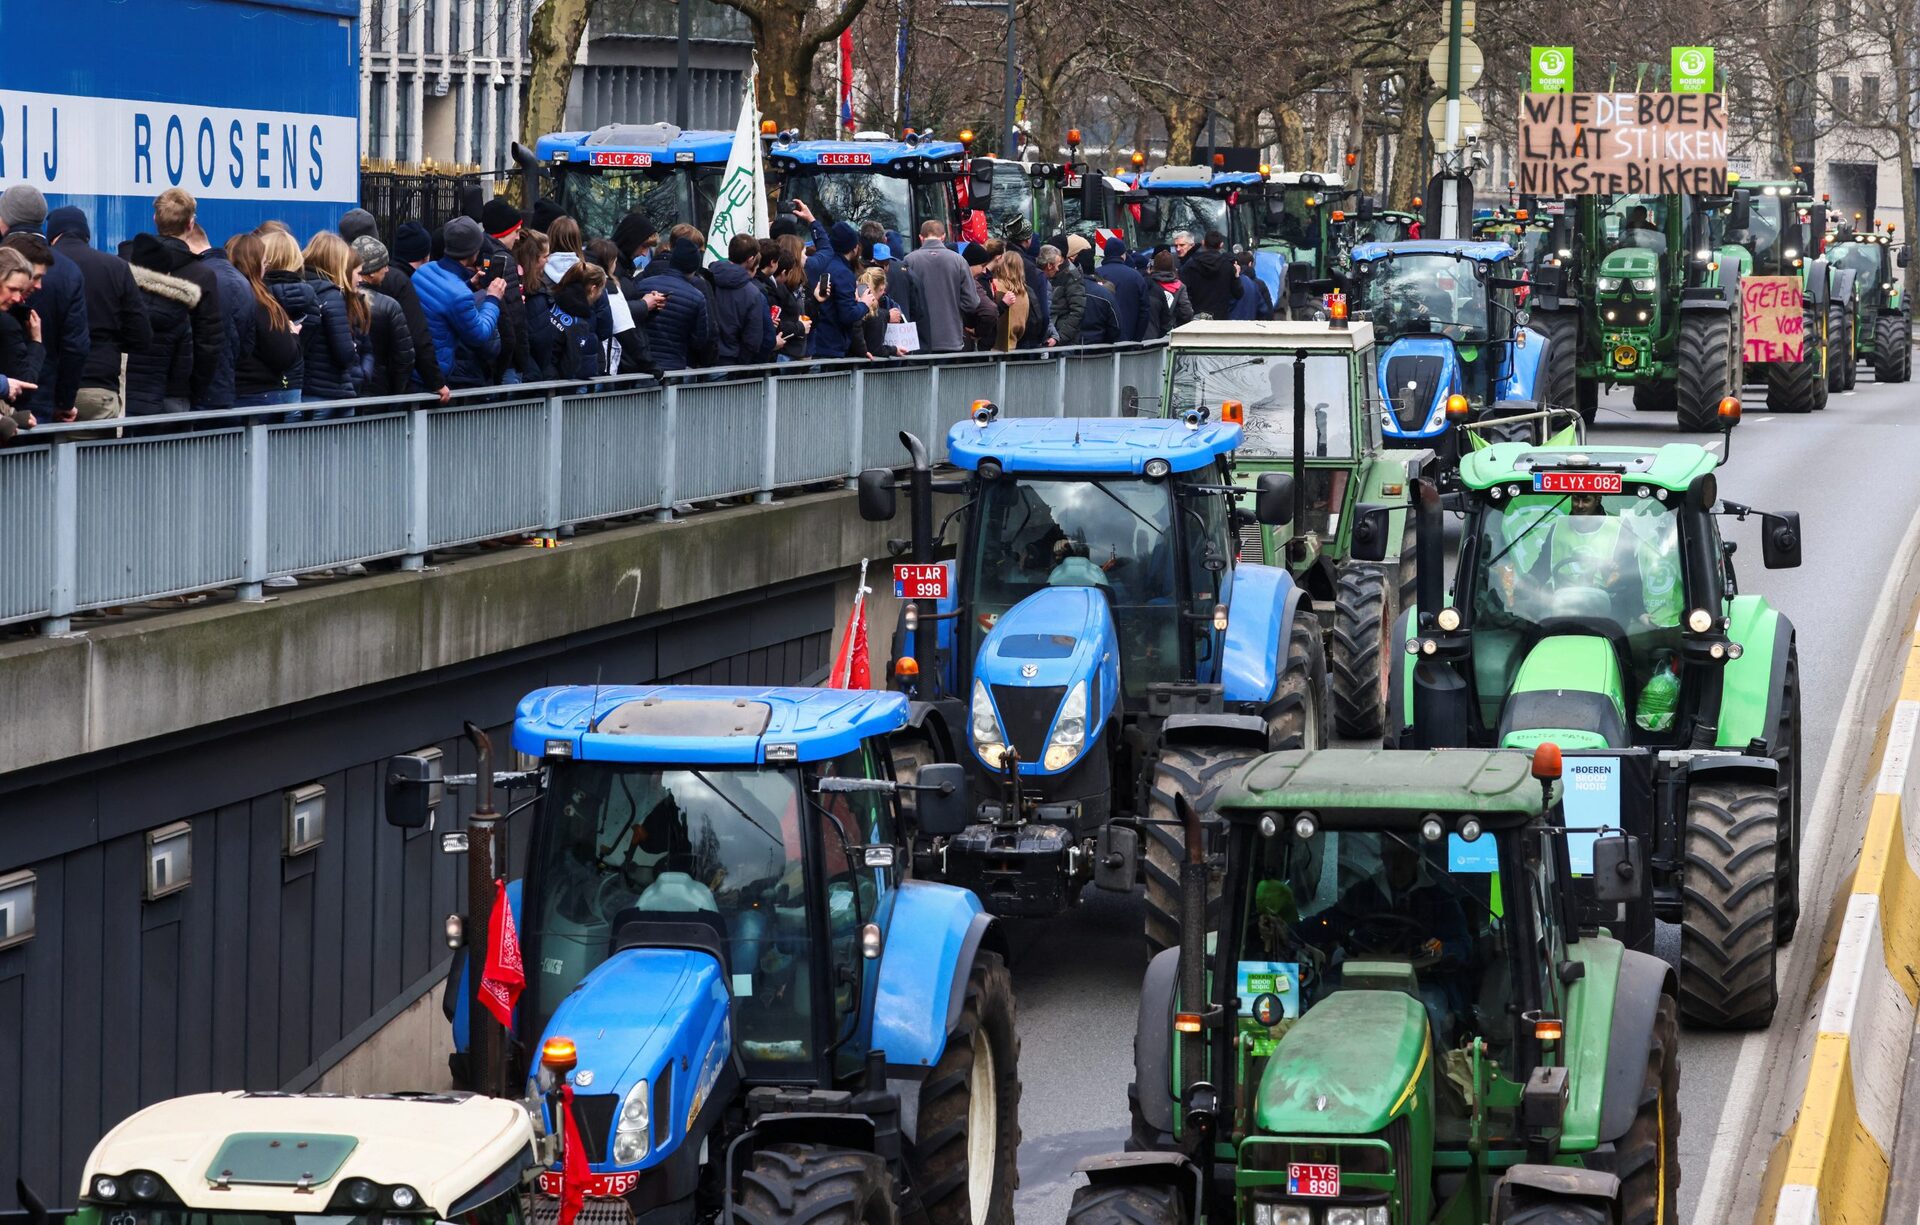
[1121, 503]
[728, 801]
[1515, 542]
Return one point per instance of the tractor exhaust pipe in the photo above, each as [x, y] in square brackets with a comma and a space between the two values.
[1299, 442]
[1430, 550]
[489, 1047]
[1193, 939]
[920, 511]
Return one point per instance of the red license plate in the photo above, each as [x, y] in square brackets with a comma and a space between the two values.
[846, 159]
[1576, 482]
[622, 159]
[600, 1186]
[920, 582]
[1313, 1181]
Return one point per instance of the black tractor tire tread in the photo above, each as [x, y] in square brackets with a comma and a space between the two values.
[1363, 615]
[1727, 949]
[1562, 389]
[1839, 346]
[1197, 772]
[1786, 917]
[937, 1161]
[798, 1184]
[1703, 354]
[1798, 387]
[1651, 1147]
[1127, 1204]
[1889, 336]
[1656, 398]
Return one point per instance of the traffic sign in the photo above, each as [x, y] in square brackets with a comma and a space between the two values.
[1472, 64]
[911, 582]
[1552, 70]
[1466, 17]
[1471, 121]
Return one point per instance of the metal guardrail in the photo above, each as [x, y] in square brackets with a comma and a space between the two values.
[208, 501]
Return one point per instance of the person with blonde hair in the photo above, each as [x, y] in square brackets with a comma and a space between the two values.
[1009, 287]
[269, 373]
[334, 365]
[284, 280]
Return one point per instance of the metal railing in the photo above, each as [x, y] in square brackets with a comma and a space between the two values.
[211, 501]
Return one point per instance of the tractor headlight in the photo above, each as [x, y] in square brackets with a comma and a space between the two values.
[1699, 620]
[630, 1136]
[1606, 284]
[1448, 619]
[1281, 1214]
[1069, 730]
[1645, 284]
[985, 725]
[1357, 1216]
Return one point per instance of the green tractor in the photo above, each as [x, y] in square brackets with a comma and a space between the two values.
[1405, 1016]
[1882, 322]
[1306, 391]
[1646, 299]
[1786, 233]
[1595, 606]
[1300, 221]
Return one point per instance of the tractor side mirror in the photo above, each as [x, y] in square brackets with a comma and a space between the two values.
[1780, 539]
[1273, 499]
[1739, 214]
[1617, 868]
[1365, 209]
[1817, 231]
[979, 183]
[1900, 260]
[943, 803]
[876, 495]
[414, 789]
[1370, 532]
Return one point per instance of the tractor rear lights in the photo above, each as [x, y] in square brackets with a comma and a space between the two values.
[1305, 826]
[456, 929]
[783, 752]
[1448, 619]
[1269, 825]
[404, 1198]
[1432, 828]
[559, 748]
[985, 412]
[1548, 1029]
[1470, 829]
[1157, 469]
[1233, 412]
[1220, 618]
[1188, 1022]
[906, 666]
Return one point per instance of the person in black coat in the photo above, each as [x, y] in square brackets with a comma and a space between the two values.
[782, 280]
[1129, 290]
[116, 313]
[379, 272]
[60, 300]
[681, 330]
[285, 280]
[335, 361]
[236, 307]
[1100, 321]
[500, 222]
[269, 372]
[743, 324]
[562, 328]
[211, 377]
[389, 339]
[160, 375]
[1212, 281]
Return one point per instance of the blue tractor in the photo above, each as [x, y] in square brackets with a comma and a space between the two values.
[898, 183]
[1097, 651]
[1455, 348]
[1199, 198]
[667, 175]
[766, 1019]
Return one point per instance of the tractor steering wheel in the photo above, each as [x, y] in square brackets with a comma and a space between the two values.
[612, 895]
[1385, 934]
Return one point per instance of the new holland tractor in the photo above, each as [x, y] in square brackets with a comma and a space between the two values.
[1595, 606]
[1405, 1015]
[1456, 345]
[1882, 323]
[900, 184]
[766, 1020]
[1201, 198]
[1307, 391]
[1095, 650]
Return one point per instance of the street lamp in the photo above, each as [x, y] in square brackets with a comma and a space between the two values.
[1011, 149]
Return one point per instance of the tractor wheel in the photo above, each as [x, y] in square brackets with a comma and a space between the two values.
[1647, 1158]
[1839, 346]
[1906, 347]
[1799, 387]
[1296, 719]
[1889, 334]
[1706, 372]
[968, 1132]
[1587, 392]
[1127, 1204]
[1850, 355]
[1357, 654]
[1561, 386]
[1727, 916]
[1786, 915]
[816, 1186]
[1656, 398]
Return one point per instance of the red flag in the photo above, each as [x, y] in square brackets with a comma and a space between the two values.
[504, 976]
[846, 79]
[851, 669]
[575, 1171]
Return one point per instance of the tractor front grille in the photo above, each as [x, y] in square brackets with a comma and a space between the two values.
[1412, 404]
[544, 1209]
[593, 1115]
[1026, 714]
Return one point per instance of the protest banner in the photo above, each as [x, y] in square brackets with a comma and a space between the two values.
[1773, 319]
[1608, 144]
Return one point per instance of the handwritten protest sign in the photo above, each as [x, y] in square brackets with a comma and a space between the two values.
[1773, 318]
[1656, 144]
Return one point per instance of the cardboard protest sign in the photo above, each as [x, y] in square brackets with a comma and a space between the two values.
[1773, 319]
[1607, 144]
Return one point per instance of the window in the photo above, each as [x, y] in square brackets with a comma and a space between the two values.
[169, 859]
[1869, 97]
[1842, 94]
[1842, 16]
[305, 819]
[17, 897]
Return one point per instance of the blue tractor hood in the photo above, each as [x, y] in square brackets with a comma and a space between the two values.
[1037, 652]
[1432, 365]
[653, 1015]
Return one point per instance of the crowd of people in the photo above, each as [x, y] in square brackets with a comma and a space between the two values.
[175, 323]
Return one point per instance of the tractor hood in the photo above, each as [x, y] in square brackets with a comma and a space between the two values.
[1630, 262]
[1039, 650]
[1347, 1067]
[1417, 374]
[646, 1014]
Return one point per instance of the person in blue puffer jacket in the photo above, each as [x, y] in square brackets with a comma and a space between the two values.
[833, 286]
[465, 324]
[680, 333]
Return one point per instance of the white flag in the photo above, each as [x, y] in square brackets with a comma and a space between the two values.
[741, 205]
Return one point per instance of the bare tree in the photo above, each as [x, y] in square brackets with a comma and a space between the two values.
[552, 44]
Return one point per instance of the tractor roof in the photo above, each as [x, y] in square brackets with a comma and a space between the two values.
[852, 154]
[1388, 787]
[1483, 251]
[1191, 178]
[1090, 444]
[443, 1146]
[661, 143]
[702, 724]
[1673, 466]
[1285, 335]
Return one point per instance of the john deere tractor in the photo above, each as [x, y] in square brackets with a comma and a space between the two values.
[1312, 410]
[1595, 606]
[1787, 236]
[1406, 1016]
[1882, 322]
[1646, 298]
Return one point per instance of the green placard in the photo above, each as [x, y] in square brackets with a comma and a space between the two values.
[1553, 70]
[1693, 70]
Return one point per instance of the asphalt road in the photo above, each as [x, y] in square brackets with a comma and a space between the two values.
[1851, 473]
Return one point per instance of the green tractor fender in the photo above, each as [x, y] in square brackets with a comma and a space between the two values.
[1752, 686]
[1152, 1087]
[1610, 1019]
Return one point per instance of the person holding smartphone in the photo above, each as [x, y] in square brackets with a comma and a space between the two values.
[838, 308]
[465, 324]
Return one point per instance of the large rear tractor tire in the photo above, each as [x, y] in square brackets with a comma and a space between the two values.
[1704, 353]
[1647, 1158]
[1655, 398]
[1839, 347]
[970, 1109]
[1127, 1204]
[1357, 654]
[1560, 384]
[1787, 868]
[798, 1184]
[1889, 345]
[1728, 905]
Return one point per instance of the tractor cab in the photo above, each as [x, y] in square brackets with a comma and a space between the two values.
[1198, 199]
[1028, 192]
[667, 175]
[898, 183]
[1388, 225]
[1448, 317]
[1404, 1013]
[1882, 320]
[1299, 221]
